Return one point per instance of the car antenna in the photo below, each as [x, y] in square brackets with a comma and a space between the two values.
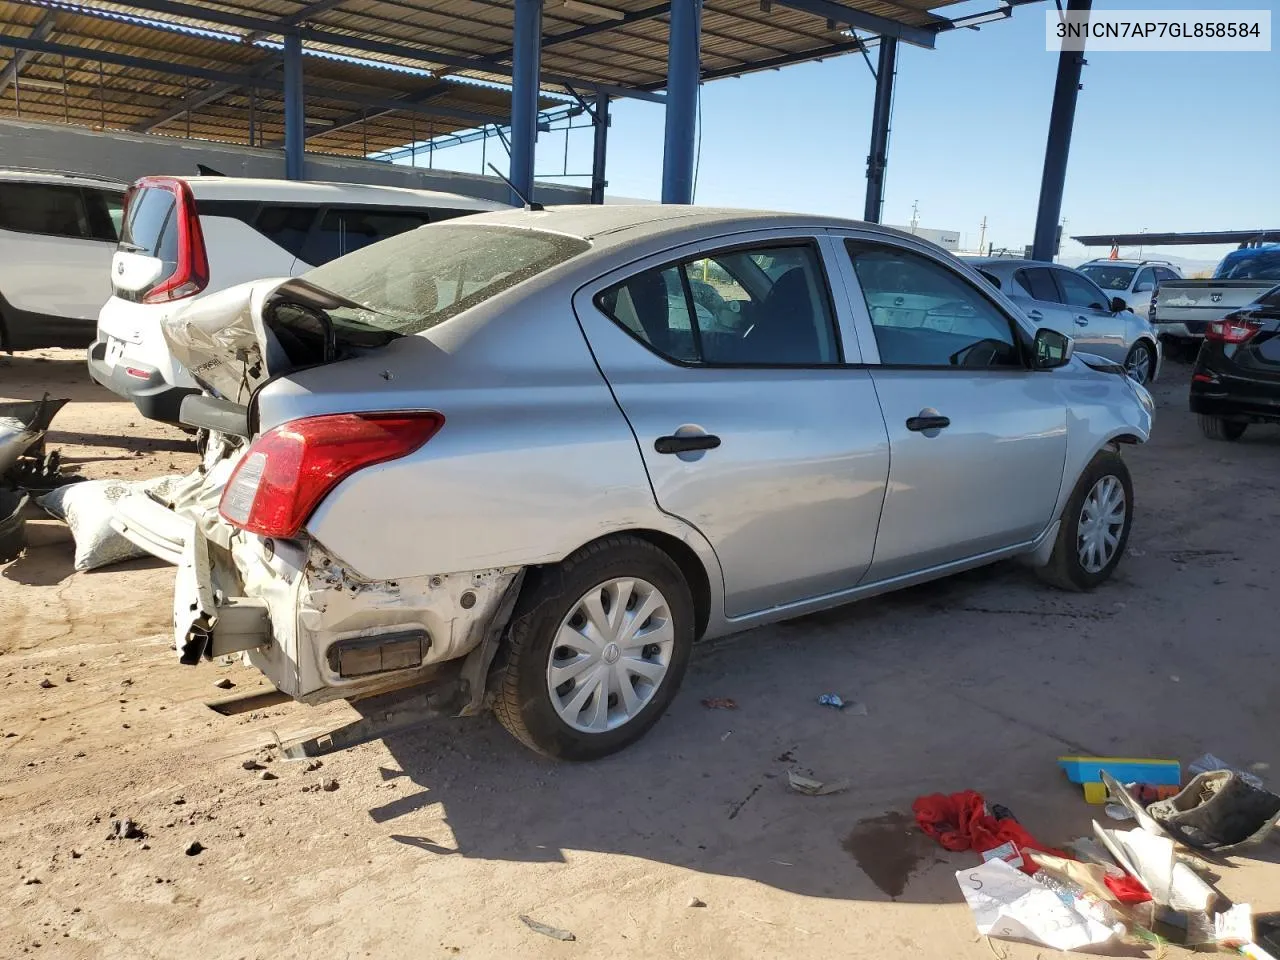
[528, 204]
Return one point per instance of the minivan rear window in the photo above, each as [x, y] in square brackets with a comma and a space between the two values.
[419, 279]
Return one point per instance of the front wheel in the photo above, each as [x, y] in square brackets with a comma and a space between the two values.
[1140, 364]
[1095, 526]
[1216, 428]
[596, 650]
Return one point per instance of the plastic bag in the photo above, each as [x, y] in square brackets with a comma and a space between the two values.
[87, 509]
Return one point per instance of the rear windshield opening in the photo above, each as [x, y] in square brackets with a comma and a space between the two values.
[414, 281]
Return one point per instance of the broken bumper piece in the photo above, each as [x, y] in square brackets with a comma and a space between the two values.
[207, 622]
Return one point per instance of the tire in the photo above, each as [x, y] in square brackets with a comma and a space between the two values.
[1066, 569]
[1139, 351]
[550, 613]
[1217, 428]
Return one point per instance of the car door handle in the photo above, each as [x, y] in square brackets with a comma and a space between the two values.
[699, 441]
[1035, 314]
[1082, 321]
[917, 424]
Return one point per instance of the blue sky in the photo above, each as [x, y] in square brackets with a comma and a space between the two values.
[1166, 141]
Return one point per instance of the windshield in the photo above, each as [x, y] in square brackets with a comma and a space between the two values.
[414, 281]
[1108, 277]
[1250, 265]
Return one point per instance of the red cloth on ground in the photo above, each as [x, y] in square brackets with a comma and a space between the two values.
[1127, 889]
[961, 822]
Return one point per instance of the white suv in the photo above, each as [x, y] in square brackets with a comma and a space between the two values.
[57, 234]
[184, 237]
[1133, 281]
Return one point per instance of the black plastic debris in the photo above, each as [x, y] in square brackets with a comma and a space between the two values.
[1218, 812]
[13, 526]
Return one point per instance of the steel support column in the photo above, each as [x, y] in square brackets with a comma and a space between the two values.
[601, 131]
[1061, 119]
[525, 64]
[295, 123]
[878, 157]
[683, 68]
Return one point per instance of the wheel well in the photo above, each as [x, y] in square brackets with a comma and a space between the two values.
[695, 574]
[1126, 438]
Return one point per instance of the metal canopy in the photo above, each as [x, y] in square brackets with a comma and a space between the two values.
[1179, 239]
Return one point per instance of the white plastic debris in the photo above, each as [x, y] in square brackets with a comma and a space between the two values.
[1007, 903]
[87, 508]
[1234, 927]
[815, 788]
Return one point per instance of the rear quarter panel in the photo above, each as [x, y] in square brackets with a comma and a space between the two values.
[533, 461]
[238, 253]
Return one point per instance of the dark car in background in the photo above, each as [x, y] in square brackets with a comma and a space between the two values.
[1236, 380]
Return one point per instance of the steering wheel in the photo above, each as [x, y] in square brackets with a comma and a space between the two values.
[987, 352]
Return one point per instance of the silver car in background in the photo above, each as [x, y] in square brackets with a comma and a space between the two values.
[543, 452]
[1066, 300]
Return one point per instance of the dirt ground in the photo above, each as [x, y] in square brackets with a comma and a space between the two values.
[435, 841]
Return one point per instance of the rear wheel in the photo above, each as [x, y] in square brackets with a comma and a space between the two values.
[1140, 364]
[1095, 526]
[1218, 428]
[596, 650]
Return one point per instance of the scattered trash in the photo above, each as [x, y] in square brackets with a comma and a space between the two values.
[22, 428]
[695, 902]
[1150, 859]
[87, 509]
[815, 788]
[961, 821]
[832, 700]
[726, 735]
[1007, 903]
[328, 786]
[1118, 811]
[1209, 763]
[1219, 812]
[13, 525]
[1001, 812]
[1234, 927]
[720, 703]
[1008, 852]
[226, 683]
[554, 933]
[1124, 769]
[194, 848]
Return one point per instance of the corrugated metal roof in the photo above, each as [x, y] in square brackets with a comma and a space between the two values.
[212, 70]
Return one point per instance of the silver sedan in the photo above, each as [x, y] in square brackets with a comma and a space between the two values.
[1066, 300]
[543, 452]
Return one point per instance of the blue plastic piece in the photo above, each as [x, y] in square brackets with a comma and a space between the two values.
[1124, 769]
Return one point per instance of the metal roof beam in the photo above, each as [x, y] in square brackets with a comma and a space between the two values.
[212, 15]
[292, 20]
[14, 67]
[350, 120]
[216, 91]
[839, 13]
[224, 76]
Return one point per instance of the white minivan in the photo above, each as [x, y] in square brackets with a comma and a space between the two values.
[184, 237]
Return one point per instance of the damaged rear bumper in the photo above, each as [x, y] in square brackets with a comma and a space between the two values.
[319, 631]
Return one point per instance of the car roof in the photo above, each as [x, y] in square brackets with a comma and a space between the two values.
[321, 192]
[64, 177]
[617, 226]
[1011, 262]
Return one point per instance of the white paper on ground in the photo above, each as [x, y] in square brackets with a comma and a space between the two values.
[1151, 859]
[1008, 903]
[1234, 928]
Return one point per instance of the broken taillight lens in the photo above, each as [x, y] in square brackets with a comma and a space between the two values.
[288, 470]
[1231, 330]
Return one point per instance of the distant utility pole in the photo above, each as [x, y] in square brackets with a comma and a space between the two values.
[982, 237]
[915, 215]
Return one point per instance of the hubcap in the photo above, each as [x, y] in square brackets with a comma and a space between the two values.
[1138, 366]
[610, 655]
[1101, 523]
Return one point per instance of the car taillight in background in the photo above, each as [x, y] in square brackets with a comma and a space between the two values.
[288, 470]
[1151, 310]
[191, 271]
[1231, 330]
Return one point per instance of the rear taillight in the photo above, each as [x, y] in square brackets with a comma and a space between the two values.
[191, 275]
[1231, 330]
[1152, 310]
[288, 470]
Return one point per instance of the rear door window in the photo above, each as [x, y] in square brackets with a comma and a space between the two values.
[1038, 282]
[147, 225]
[50, 209]
[104, 209]
[344, 230]
[287, 227]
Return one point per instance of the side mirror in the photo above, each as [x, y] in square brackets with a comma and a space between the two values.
[1118, 305]
[1051, 349]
